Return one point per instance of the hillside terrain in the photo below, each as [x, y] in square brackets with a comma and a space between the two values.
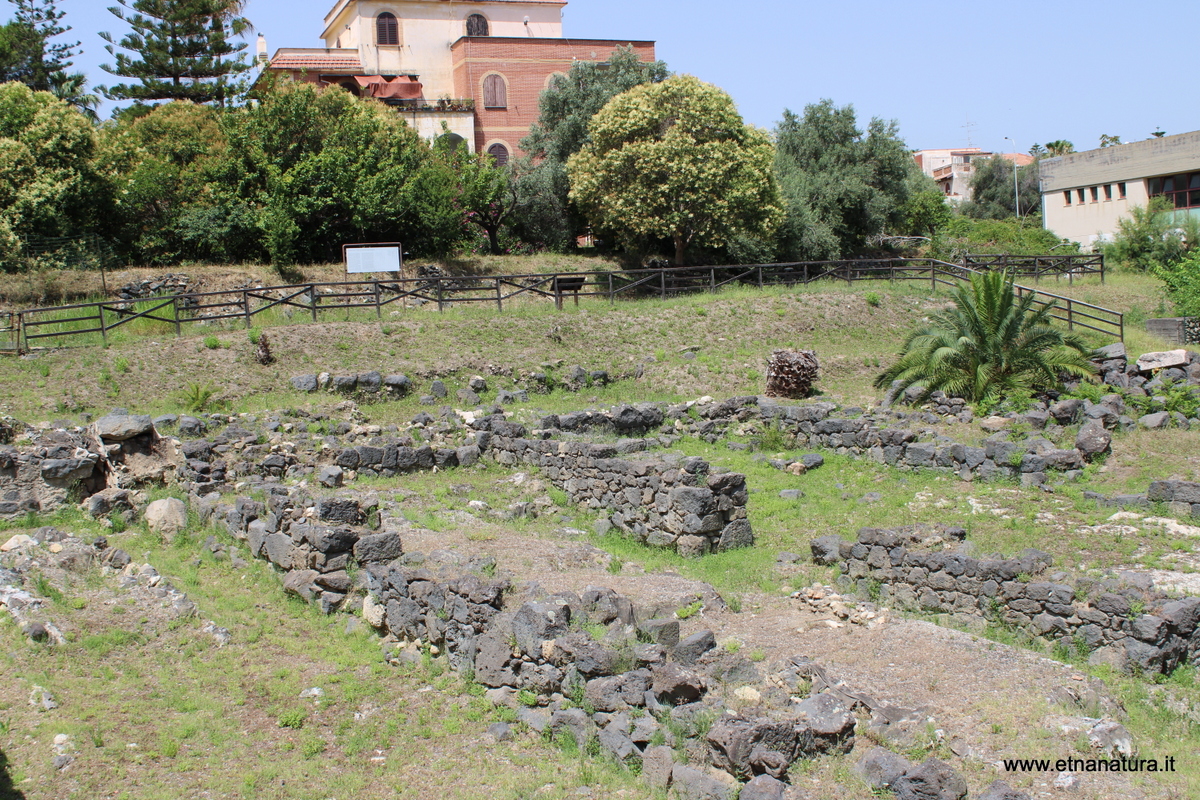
[190, 670]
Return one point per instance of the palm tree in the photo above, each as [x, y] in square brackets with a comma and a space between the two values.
[991, 345]
[1060, 147]
[72, 89]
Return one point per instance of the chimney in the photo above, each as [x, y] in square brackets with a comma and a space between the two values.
[262, 49]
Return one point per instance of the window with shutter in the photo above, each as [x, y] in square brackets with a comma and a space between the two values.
[500, 153]
[495, 92]
[477, 25]
[387, 30]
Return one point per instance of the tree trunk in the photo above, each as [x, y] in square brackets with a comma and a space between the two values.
[680, 246]
[493, 232]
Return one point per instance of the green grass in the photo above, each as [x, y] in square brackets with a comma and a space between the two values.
[164, 711]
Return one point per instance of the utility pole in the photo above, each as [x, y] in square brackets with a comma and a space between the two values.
[1016, 189]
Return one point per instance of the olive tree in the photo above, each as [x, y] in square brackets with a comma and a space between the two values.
[675, 160]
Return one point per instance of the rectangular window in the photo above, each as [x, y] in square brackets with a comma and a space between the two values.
[1108, 191]
[1067, 196]
[1095, 194]
[1181, 191]
[1121, 190]
[1079, 193]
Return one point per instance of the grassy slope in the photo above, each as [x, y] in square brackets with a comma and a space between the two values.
[225, 732]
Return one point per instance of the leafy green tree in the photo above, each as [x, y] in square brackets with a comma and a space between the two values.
[926, 212]
[570, 102]
[992, 189]
[1109, 141]
[317, 169]
[1059, 147]
[182, 50]
[675, 160]
[166, 167]
[565, 108]
[542, 217]
[840, 186]
[486, 192]
[48, 182]
[1153, 236]
[990, 346]
[26, 52]
[15, 45]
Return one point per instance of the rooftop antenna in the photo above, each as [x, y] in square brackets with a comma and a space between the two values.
[969, 127]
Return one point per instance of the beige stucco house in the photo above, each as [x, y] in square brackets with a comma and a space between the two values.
[477, 68]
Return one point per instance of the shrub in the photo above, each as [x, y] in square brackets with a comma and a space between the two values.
[293, 719]
[991, 346]
[1183, 283]
[212, 342]
[197, 397]
[1153, 236]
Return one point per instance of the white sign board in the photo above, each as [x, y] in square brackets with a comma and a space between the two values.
[372, 259]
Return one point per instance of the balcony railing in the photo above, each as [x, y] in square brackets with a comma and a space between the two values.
[421, 104]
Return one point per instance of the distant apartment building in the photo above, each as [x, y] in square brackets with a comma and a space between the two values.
[478, 68]
[1085, 195]
[954, 168]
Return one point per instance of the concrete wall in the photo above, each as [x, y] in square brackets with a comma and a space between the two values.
[1090, 223]
[429, 124]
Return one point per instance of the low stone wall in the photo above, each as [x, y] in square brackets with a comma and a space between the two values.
[672, 503]
[1125, 626]
[885, 437]
[641, 682]
[1181, 498]
[375, 384]
[48, 468]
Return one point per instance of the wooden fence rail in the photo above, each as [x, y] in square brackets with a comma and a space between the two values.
[36, 325]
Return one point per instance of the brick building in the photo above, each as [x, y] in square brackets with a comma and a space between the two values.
[477, 68]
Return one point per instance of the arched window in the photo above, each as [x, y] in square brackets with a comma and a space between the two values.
[500, 153]
[495, 91]
[477, 25]
[452, 141]
[387, 30]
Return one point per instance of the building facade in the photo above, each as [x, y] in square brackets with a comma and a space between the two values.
[1085, 195]
[953, 169]
[476, 68]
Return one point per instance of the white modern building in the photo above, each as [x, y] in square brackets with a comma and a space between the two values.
[1085, 195]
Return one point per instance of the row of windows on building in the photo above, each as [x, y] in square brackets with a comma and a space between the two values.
[1081, 196]
[387, 28]
[1182, 190]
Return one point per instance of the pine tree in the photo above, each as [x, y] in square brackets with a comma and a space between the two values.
[26, 54]
[185, 50]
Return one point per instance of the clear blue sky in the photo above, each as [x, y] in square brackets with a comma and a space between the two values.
[948, 72]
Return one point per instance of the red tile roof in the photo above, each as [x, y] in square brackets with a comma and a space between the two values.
[316, 61]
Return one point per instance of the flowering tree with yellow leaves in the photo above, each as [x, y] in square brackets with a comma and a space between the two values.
[675, 160]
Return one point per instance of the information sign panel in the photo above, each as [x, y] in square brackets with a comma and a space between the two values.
[384, 257]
